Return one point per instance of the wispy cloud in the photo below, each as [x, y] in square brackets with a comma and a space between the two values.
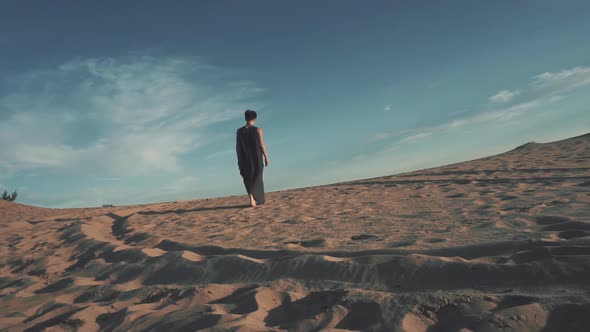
[562, 81]
[543, 89]
[108, 179]
[575, 76]
[115, 117]
[502, 114]
[221, 153]
[506, 113]
[415, 137]
[504, 96]
[387, 108]
[378, 137]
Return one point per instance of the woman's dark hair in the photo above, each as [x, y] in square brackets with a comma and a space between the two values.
[250, 115]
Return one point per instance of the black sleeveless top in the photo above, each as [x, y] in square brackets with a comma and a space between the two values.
[249, 152]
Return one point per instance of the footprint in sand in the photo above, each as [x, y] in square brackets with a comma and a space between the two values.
[241, 217]
[363, 237]
[550, 220]
[310, 243]
[508, 197]
[435, 240]
[456, 196]
[403, 243]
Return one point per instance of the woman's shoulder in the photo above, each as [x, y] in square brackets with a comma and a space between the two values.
[252, 128]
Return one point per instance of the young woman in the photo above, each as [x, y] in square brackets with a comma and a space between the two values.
[250, 149]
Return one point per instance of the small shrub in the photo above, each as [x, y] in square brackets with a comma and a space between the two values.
[11, 197]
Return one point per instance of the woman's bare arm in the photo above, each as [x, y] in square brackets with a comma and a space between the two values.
[267, 162]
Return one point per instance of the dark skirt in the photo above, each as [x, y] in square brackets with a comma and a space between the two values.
[255, 186]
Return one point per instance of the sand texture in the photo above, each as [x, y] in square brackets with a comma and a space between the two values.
[499, 243]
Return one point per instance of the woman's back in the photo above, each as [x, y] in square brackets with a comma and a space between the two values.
[249, 151]
[249, 135]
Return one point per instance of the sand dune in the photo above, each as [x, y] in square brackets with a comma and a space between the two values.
[499, 243]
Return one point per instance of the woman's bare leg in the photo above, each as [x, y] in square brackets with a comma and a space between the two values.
[252, 201]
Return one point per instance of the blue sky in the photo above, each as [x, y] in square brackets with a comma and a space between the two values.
[138, 101]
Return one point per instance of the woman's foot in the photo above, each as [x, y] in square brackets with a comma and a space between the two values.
[252, 201]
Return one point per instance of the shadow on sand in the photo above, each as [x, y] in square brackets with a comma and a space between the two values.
[181, 211]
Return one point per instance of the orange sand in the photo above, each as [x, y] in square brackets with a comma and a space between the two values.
[499, 243]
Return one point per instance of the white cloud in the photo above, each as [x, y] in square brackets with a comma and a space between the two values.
[457, 123]
[393, 148]
[563, 80]
[576, 72]
[108, 179]
[387, 108]
[382, 135]
[378, 137]
[221, 153]
[506, 113]
[543, 90]
[504, 96]
[115, 117]
[502, 114]
[415, 137]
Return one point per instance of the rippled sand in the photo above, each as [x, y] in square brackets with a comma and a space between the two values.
[499, 243]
